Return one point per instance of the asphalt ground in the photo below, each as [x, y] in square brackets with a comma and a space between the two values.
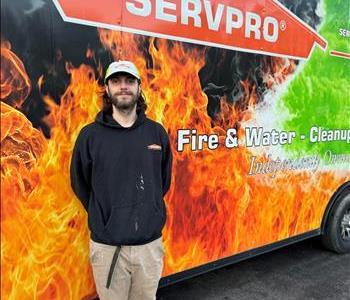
[304, 271]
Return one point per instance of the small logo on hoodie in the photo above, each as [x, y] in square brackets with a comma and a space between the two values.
[154, 147]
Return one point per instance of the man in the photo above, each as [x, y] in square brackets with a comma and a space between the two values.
[120, 171]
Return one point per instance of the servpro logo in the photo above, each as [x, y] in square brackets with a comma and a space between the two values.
[202, 15]
[265, 27]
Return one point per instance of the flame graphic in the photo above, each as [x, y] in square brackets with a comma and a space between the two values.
[214, 209]
[15, 83]
[44, 234]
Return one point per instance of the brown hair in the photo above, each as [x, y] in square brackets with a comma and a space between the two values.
[107, 104]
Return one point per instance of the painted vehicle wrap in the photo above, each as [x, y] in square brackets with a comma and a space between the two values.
[255, 98]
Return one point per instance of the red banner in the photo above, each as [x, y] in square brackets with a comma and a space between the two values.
[258, 26]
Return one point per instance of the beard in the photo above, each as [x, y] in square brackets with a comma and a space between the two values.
[124, 101]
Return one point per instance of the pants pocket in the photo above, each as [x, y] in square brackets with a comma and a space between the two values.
[96, 258]
[157, 248]
[161, 247]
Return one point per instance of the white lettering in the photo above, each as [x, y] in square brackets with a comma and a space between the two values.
[161, 5]
[230, 23]
[258, 137]
[313, 134]
[143, 11]
[231, 140]
[213, 142]
[213, 22]
[196, 141]
[253, 24]
[344, 32]
[267, 36]
[183, 139]
[317, 134]
[191, 13]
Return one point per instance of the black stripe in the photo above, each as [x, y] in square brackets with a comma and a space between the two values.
[111, 269]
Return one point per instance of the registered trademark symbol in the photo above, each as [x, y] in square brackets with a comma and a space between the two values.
[283, 25]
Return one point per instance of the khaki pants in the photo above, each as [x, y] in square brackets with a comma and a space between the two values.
[136, 274]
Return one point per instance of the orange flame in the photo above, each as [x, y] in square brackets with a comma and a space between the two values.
[214, 208]
[15, 83]
[277, 71]
[43, 231]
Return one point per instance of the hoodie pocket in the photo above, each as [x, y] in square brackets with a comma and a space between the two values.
[123, 223]
[134, 224]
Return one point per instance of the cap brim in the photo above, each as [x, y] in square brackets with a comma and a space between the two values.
[122, 71]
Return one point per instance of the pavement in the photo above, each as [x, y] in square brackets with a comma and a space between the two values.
[303, 271]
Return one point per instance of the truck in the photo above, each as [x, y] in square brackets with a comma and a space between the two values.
[255, 97]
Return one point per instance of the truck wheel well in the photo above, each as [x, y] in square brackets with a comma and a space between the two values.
[335, 197]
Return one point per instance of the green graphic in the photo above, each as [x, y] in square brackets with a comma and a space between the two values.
[320, 94]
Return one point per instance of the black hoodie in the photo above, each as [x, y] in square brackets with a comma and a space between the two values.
[121, 176]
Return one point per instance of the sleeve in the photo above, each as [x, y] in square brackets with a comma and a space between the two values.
[166, 163]
[80, 170]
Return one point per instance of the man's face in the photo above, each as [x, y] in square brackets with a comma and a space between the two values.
[123, 90]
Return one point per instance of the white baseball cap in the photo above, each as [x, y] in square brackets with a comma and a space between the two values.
[122, 66]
